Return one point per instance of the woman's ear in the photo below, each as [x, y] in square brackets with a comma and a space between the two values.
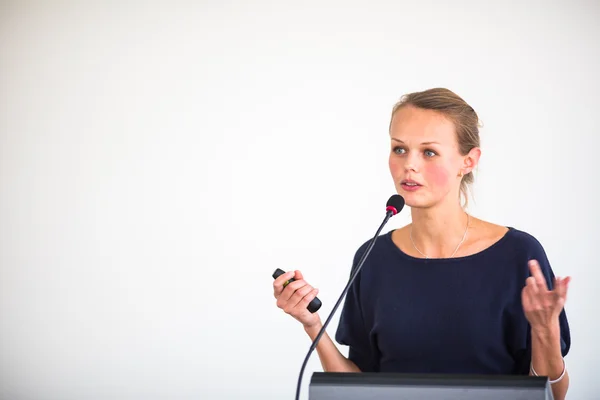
[471, 160]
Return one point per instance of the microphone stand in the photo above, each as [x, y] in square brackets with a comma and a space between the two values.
[390, 212]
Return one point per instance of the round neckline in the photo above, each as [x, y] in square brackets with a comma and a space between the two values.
[453, 259]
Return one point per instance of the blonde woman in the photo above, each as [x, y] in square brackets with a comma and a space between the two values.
[448, 293]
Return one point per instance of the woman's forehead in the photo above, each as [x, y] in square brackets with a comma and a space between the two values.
[410, 124]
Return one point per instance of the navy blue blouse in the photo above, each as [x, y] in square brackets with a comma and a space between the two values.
[453, 315]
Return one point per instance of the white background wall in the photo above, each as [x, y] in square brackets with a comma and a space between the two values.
[158, 162]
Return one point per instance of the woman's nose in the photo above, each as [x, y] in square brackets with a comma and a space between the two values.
[412, 163]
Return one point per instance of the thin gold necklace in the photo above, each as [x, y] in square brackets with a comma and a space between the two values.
[455, 250]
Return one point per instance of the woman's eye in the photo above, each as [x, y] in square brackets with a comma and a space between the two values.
[430, 153]
[399, 150]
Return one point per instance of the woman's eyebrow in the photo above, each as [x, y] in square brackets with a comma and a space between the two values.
[425, 143]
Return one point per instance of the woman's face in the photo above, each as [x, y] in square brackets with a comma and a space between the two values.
[425, 162]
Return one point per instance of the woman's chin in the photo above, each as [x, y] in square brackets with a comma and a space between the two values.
[416, 205]
[415, 201]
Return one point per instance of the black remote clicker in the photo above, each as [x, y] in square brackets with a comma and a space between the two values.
[313, 306]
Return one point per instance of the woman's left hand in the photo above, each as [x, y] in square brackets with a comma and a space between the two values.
[542, 306]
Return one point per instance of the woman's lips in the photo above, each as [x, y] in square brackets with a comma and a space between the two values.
[410, 186]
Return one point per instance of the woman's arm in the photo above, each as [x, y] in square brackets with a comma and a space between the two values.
[331, 358]
[294, 298]
[542, 308]
[547, 360]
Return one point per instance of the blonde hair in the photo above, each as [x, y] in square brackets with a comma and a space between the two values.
[453, 107]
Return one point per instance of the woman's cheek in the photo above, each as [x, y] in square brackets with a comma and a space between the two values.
[394, 166]
[437, 174]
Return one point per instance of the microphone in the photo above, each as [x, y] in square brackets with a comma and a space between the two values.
[394, 206]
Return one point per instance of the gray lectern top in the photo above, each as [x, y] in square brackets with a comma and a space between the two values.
[384, 386]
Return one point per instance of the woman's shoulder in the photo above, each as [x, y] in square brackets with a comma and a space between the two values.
[484, 234]
[517, 239]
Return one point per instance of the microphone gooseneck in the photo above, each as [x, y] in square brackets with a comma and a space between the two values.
[394, 206]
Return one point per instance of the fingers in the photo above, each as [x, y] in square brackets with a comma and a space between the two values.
[536, 272]
[290, 290]
[561, 288]
[278, 284]
[567, 281]
[530, 294]
[526, 299]
[531, 283]
[541, 305]
[300, 299]
[294, 294]
[303, 304]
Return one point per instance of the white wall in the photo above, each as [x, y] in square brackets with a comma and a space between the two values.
[158, 162]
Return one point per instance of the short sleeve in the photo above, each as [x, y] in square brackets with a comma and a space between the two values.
[523, 349]
[353, 330]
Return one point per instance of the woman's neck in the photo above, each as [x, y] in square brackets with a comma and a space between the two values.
[437, 231]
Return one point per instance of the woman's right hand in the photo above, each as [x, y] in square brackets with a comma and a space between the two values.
[295, 297]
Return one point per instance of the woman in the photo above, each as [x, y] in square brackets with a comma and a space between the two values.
[448, 293]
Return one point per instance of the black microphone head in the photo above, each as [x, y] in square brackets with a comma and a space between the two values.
[395, 204]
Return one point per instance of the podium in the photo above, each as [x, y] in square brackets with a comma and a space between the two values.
[384, 386]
